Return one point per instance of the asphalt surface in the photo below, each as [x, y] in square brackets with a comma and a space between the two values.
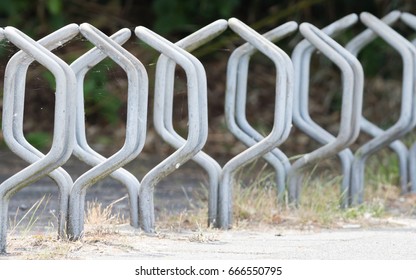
[395, 243]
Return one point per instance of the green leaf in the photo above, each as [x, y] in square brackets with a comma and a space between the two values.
[54, 6]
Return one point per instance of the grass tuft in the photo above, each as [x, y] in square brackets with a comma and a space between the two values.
[26, 223]
[101, 220]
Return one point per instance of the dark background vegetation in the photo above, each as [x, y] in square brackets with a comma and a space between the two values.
[106, 86]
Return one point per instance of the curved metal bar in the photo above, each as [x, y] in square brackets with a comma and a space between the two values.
[64, 128]
[245, 132]
[410, 20]
[355, 46]
[13, 135]
[82, 150]
[135, 125]
[404, 123]
[163, 102]
[282, 120]
[412, 168]
[352, 78]
[301, 58]
[358, 91]
[198, 125]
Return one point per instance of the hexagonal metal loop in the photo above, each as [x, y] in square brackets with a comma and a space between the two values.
[282, 118]
[13, 134]
[135, 125]
[352, 79]
[301, 57]
[163, 102]
[198, 121]
[407, 118]
[63, 134]
[355, 46]
[243, 129]
[82, 150]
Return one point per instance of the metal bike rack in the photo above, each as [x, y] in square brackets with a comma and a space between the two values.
[282, 120]
[301, 58]
[352, 77]
[163, 102]
[135, 126]
[243, 130]
[291, 101]
[410, 20]
[355, 46]
[13, 135]
[406, 119]
[197, 128]
[64, 128]
[82, 150]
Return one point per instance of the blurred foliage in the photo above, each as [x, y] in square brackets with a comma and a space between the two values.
[99, 102]
[33, 17]
[166, 16]
[177, 18]
[183, 15]
[40, 140]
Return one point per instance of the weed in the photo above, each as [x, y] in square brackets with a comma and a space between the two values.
[201, 236]
[256, 203]
[30, 217]
[102, 220]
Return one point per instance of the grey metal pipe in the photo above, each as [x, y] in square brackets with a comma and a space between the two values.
[355, 46]
[245, 132]
[412, 168]
[82, 150]
[301, 58]
[135, 125]
[352, 77]
[410, 20]
[163, 102]
[15, 139]
[282, 120]
[198, 126]
[404, 124]
[64, 128]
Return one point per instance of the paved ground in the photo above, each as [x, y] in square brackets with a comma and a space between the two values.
[395, 243]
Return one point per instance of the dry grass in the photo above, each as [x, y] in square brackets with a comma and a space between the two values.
[101, 226]
[26, 223]
[255, 205]
[100, 221]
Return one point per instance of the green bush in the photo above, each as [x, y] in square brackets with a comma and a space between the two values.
[183, 15]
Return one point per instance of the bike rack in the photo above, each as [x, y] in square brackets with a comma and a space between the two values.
[352, 75]
[243, 130]
[64, 129]
[355, 46]
[163, 102]
[13, 135]
[291, 101]
[282, 120]
[406, 119]
[301, 58]
[198, 122]
[82, 150]
[135, 126]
